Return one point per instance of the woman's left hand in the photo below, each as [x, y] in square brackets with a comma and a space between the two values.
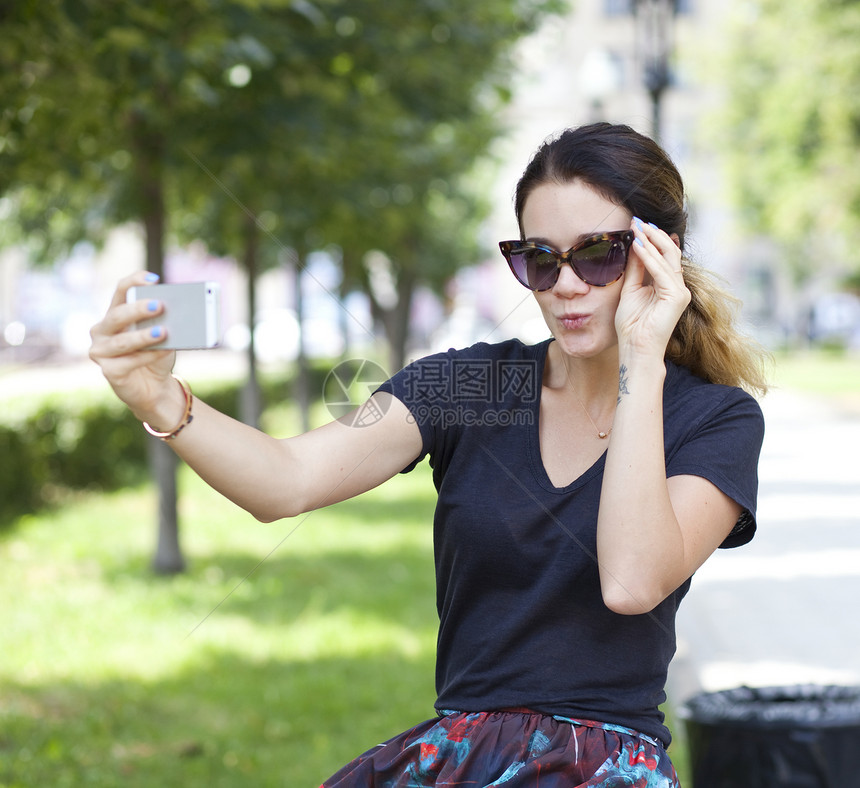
[653, 295]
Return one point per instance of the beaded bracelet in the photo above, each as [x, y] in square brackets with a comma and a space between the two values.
[186, 417]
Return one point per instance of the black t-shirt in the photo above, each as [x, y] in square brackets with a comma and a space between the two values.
[522, 620]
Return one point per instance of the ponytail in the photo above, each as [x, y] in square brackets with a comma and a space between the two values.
[707, 339]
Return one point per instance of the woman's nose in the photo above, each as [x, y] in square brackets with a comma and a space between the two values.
[568, 283]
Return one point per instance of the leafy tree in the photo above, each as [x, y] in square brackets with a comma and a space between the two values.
[395, 105]
[259, 126]
[256, 147]
[792, 128]
[104, 112]
[434, 81]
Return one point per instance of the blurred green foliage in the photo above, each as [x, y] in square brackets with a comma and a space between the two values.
[69, 446]
[260, 127]
[267, 129]
[56, 445]
[791, 128]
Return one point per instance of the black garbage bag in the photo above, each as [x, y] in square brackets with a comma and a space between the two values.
[804, 736]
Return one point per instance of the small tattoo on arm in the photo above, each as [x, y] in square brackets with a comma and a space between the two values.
[622, 383]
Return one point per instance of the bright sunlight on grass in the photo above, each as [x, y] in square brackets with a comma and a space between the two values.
[833, 375]
[285, 651]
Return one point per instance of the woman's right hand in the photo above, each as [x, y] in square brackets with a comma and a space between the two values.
[136, 369]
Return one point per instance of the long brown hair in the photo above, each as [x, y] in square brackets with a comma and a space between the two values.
[631, 170]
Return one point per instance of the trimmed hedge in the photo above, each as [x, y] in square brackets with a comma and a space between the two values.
[90, 441]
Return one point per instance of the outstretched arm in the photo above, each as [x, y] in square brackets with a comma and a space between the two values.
[271, 478]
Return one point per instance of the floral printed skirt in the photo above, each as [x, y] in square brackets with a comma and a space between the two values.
[515, 748]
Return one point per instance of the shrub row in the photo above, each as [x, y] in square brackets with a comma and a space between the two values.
[88, 441]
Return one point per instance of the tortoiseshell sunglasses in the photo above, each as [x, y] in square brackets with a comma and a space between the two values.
[598, 260]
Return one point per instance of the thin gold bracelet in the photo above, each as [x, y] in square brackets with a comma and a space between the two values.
[186, 417]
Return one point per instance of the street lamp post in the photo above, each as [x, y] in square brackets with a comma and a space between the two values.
[654, 21]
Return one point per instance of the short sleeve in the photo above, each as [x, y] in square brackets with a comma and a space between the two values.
[718, 434]
[425, 388]
[399, 388]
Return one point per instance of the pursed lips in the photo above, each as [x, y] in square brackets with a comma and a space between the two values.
[573, 321]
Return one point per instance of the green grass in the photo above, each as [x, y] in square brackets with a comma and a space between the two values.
[285, 651]
[835, 376]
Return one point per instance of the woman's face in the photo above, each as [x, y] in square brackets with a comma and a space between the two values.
[581, 317]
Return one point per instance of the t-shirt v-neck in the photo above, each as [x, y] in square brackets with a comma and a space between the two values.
[533, 437]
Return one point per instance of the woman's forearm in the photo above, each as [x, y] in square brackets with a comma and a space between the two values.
[639, 542]
[273, 478]
[243, 464]
[252, 469]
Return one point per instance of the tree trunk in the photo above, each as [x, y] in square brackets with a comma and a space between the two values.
[302, 386]
[397, 320]
[343, 319]
[250, 404]
[168, 558]
[149, 157]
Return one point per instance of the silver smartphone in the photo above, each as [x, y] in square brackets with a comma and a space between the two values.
[191, 316]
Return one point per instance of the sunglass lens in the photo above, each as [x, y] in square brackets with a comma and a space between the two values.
[602, 263]
[535, 268]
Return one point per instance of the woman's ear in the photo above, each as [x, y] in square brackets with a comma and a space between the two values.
[676, 239]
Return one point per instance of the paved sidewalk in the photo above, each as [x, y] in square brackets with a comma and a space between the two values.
[785, 609]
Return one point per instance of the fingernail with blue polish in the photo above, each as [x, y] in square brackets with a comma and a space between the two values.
[155, 332]
[651, 224]
[152, 306]
[152, 277]
[639, 241]
[638, 222]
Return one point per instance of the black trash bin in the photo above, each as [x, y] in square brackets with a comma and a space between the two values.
[775, 737]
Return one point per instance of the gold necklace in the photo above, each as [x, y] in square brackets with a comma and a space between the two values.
[600, 433]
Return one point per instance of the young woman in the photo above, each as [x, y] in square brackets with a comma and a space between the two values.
[581, 481]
